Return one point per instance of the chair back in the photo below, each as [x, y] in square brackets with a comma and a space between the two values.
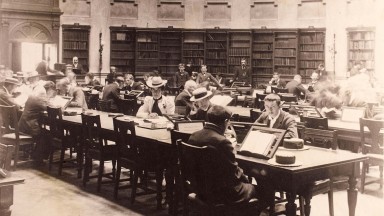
[128, 106]
[259, 101]
[126, 139]
[128, 96]
[288, 98]
[178, 135]
[55, 119]
[197, 164]
[9, 120]
[377, 140]
[105, 105]
[276, 90]
[91, 128]
[93, 101]
[320, 138]
[255, 114]
[181, 110]
[6, 156]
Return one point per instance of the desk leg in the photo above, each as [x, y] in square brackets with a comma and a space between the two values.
[352, 191]
[290, 206]
[6, 200]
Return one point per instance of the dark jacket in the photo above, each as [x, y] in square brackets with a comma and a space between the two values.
[295, 88]
[200, 114]
[243, 75]
[30, 120]
[135, 86]
[79, 68]
[111, 93]
[231, 184]
[5, 98]
[181, 78]
[285, 121]
[279, 83]
[207, 77]
[78, 98]
[183, 100]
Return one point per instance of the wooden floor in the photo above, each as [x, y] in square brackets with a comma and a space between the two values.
[48, 194]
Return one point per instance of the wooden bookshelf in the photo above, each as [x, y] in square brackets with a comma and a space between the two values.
[193, 48]
[147, 51]
[285, 52]
[239, 46]
[76, 43]
[123, 49]
[361, 47]
[170, 51]
[216, 44]
[262, 55]
[311, 51]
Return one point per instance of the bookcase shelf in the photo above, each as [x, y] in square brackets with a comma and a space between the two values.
[216, 45]
[262, 54]
[76, 43]
[193, 48]
[147, 51]
[239, 46]
[361, 43]
[285, 44]
[123, 45]
[170, 51]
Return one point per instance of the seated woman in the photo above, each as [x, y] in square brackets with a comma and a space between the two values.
[30, 120]
[157, 104]
[66, 89]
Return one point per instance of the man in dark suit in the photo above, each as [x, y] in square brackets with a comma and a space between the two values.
[183, 99]
[77, 68]
[6, 91]
[275, 117]
[276, 81]
[130, 84]
[111, 92]
[181, 76]
[295, 87]
[243, 73]
[232, 185]
[66, 89]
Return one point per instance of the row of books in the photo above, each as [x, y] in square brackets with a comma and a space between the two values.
[262, 63]
[194, 38]
[311, 47]
[123, 55]
[285, 61]
[361, 44]
[170, 62]
[147, 62]
[122, 62]
[286, 43]
[240, 37]
[193, 46]
[218, 70]
[75, 45]
[175, 36]
[195, 61]
[144, 69]
[215, 45]
[263, 37]
[263, 71]
[170, 49]
[239, 51]
[170, 56]
[286, 71]
[75, 36]
[170, 43]
[71, 53]
[285, 52]
[147, 38]
[211, 54]
[310, 64]
[151, 47]
[216, 62]
[129, 46]
[362, 35]
[194, 53]
[144, 55]
[361, 55]
[121, 36]
[311, 55]
[266, 47]
[313, 38]
[262, 55]
[212, 37]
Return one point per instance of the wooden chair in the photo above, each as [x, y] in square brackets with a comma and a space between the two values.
[259, 101]
[374, 149]
[10, 134]
[96, 148]
[198, 180]
[323, 139]
[60, 139]
[128, 106]
[6, 152]
[132, 156]
[249, 101]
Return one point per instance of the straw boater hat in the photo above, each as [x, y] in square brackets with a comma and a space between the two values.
[12, 81]
[20, 75]
[33, 74]
[200, 93]
[156, 82]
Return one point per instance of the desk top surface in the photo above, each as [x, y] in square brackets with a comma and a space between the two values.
[11, 180]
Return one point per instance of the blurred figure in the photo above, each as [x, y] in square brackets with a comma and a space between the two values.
[66, 89]
[188, 68]
[295, 87]
[183, 99]
[314, 84]
[35, 84]
[355, 69]
[90, 80]
[77, 68]
[276, 81]
[112, 75]
[201, 99]
[111, 92]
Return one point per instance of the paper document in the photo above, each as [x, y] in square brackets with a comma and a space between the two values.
[222, 100]
[258, 142]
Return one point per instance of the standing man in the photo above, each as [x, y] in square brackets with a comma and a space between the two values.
[77, 68]
[243, 73]
[111, 92]
[111, 76]
[181, 76]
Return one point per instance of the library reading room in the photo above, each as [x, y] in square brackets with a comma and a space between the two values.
[191, 107]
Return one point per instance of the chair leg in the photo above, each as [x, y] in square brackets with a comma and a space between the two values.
[62, 152]
[330, 202]
[50, 158]
[87, 168]
[159, 181]
[307, 207]
[135, 174]
[16, 160]
[301, 201]
[113, 169]
[381, 176]
[100, 175]
[117, 180]
[363, 174]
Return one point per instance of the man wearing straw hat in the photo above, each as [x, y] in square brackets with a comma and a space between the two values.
[200, 97]
[6, 91]
[157, 104]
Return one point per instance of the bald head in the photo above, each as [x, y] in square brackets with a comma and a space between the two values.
[190, 85]
[297, 77]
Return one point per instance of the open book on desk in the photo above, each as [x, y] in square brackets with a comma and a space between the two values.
[261, 142]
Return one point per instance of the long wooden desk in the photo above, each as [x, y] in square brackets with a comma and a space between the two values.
[325, 164]
[6, 193]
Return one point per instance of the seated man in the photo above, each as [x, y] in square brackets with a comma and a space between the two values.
[276, 81]
[243, 73]
[183, 99]
[233, 185]
[205, 76]
[314, 84]
[295, 87]
[111, 92]
[157, 104]
[275, 117]
[200, 97]
[90, 80]
[130, 84]
[66, 89]
[6, 90]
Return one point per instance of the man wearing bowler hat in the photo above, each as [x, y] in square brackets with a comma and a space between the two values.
[6, 91]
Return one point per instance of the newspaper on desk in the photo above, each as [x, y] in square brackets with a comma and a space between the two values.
[159, 123]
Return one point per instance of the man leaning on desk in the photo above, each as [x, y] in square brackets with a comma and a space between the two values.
[243, 73]
[275, 117]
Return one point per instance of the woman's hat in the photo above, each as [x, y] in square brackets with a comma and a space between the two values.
[200, 93]
[12, 81]
[156, 82]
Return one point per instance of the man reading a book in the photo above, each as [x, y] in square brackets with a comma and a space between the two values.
[232, 185]
[275, 117]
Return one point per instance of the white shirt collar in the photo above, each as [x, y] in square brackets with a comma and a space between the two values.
[273, 120]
